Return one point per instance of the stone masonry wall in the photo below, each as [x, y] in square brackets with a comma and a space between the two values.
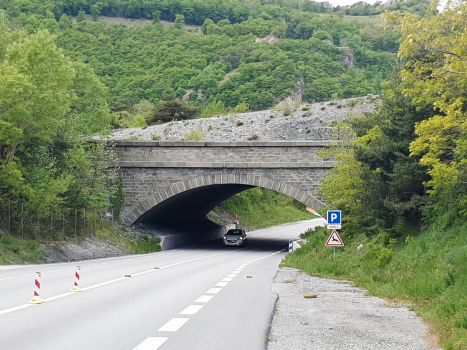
[139, 183]
[147, 168]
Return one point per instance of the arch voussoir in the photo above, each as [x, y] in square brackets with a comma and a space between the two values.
[181, 186]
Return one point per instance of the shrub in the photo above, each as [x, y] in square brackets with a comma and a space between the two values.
[323, 108]
[253, 137]
[239, 123]
[351, 103]
[195, 135]
[156, 137]
[139, 122]
[305, 108]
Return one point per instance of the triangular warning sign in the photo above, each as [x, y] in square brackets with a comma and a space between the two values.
[334, 240]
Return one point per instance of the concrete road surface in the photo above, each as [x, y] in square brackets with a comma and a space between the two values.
[194, 298]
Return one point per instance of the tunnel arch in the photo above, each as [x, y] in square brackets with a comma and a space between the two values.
[209, 191]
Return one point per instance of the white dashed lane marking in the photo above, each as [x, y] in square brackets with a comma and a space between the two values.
[191, 310]
[151, 343]
[231, 275]
[204, 298]
[6, 278]
[221, 284]
[227, 279]
[173, 325]
[214, 290]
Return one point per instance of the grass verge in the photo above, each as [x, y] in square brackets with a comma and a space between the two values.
[16, 251]
[427, 270]
[260, 208]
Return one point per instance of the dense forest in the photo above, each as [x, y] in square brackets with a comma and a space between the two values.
[317, 50]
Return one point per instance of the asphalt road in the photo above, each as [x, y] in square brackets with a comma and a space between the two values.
[198, 298]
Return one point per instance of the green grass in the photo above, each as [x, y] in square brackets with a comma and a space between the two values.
[263, 208]
[146, 243]
[16, 251]
[427, 271]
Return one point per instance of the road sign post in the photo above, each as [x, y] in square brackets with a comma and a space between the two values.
[334, 240]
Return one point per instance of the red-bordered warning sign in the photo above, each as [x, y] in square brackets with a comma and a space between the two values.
[334, 240]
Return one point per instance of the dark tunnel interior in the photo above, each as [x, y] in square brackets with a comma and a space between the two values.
[186, 212]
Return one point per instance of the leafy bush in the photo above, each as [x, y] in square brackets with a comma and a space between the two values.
[195, 135]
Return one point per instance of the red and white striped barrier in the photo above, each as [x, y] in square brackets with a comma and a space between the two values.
[37, 289]
[76, 287]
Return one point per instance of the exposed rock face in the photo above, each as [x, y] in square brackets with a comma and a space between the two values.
[347, 57]
[269, 39]
[200, 94]
[186, 97]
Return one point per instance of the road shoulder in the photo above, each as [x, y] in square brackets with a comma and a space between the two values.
[341, 317]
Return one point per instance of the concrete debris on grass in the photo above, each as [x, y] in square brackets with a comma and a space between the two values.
[341, 317]
[305, 122]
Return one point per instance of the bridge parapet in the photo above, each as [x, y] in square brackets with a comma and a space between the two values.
[198, 154]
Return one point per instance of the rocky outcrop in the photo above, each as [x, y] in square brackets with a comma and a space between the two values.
[347, 57]
[271, 39]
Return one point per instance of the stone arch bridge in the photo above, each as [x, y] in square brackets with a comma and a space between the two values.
[177, 183]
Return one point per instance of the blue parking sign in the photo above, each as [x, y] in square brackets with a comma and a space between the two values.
[334, 219]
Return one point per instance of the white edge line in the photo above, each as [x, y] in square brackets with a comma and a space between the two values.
[15, 309]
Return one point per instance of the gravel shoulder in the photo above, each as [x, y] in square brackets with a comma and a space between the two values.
[341, 317]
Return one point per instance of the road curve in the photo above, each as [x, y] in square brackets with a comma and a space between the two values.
[201, 297]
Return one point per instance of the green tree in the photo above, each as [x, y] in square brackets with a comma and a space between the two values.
[174, 110]
[436, 73]
[206, 24]
[156, 17]
[95, 12]
[34, 95]
[65, 22]
[179, 21]
[81, 17]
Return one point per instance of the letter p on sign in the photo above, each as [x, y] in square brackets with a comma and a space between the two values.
[334, 219]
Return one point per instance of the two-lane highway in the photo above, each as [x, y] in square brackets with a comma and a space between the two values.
[195, 298]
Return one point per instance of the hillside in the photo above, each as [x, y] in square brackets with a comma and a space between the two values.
[146, 56]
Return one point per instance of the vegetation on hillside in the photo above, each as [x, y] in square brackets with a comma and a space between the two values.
[261, 208]
[362, 8]
[154, 63]
[401, 178]
[48, 104]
